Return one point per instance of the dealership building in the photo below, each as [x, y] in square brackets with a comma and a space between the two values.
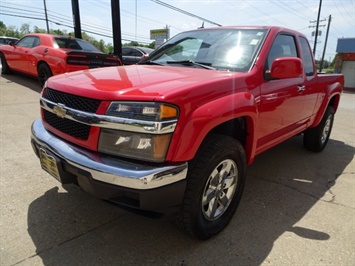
[345, 61]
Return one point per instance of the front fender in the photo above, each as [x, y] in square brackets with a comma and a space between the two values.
[189, 136]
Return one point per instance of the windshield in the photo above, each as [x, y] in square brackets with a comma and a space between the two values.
[221, 49]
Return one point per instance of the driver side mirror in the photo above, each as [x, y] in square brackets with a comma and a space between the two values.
[285, 68]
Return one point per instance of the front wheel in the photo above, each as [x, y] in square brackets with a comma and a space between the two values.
[315, 139]
[215, 184]
[5, 67]
[44, 72]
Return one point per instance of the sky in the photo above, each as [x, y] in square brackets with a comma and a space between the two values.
[138, 17]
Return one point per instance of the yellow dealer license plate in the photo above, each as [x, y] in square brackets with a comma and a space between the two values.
[49, 164]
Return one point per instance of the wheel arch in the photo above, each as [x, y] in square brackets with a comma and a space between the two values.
[334, 102]
[332, 99]
[40, 62]
[238, 122]
[241, 129]
[44, 74]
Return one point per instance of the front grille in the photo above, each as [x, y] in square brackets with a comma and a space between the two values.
[72, 101]
[69, 127]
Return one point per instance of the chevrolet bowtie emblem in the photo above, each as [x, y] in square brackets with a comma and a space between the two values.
[59, 110]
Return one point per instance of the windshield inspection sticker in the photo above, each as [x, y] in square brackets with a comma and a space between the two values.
[254, 42]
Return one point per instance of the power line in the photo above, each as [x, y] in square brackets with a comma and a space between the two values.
[333, 27]
[346, 9]
[184, 12]
[281, 22]
[63, 20]
[131, 15]
[289, 9]
[305, 6]
[68, 26]
[20, 16]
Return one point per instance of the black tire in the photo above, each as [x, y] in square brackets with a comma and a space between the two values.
[215, 183]
[315, 139]
[44, 72]
[5, 67]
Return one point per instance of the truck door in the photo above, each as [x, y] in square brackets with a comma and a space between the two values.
[312, 90]
[282, 102]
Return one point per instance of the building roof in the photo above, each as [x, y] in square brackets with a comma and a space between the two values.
[346, 45]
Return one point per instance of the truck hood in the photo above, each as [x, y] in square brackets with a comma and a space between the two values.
[137, 82]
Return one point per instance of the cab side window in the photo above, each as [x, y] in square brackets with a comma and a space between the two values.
[127, 51]
[36, 42]
[136, 53]
[28, 42]
[308, 63]
[283, 46]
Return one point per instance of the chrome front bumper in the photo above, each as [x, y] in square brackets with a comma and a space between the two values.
[106, 168]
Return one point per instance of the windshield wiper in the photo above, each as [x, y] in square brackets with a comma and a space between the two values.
[151, 62]
[192, 63]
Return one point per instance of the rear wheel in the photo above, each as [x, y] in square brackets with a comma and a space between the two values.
[5, 67]
[315, 139]
[216, 180]
[44, 72]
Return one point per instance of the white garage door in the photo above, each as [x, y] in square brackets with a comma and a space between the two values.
[348, 70]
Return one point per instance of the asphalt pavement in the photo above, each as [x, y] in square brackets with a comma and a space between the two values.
[298, 207]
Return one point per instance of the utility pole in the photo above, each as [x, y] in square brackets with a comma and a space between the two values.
[76, 18]
[116, 28]
[325, 44]
[316, 35]
[45, 12]
[135, 32]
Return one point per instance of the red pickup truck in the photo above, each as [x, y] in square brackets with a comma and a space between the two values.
[173, 135]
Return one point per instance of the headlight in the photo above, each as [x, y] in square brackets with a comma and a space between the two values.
[143, 111]
[147, 147]
[151, 146]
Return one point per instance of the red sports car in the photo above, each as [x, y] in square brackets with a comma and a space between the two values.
[44, 55]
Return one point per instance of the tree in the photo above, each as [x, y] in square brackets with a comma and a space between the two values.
[25, 29]
[132, 43]
[325, 64]
[12, 31]
[333, 62]
[101, 45]
[109, 47]
[38, 30]
[3, 29]
[152, 45]
[59, 32]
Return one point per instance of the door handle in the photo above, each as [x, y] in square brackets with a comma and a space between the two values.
[301, 88]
